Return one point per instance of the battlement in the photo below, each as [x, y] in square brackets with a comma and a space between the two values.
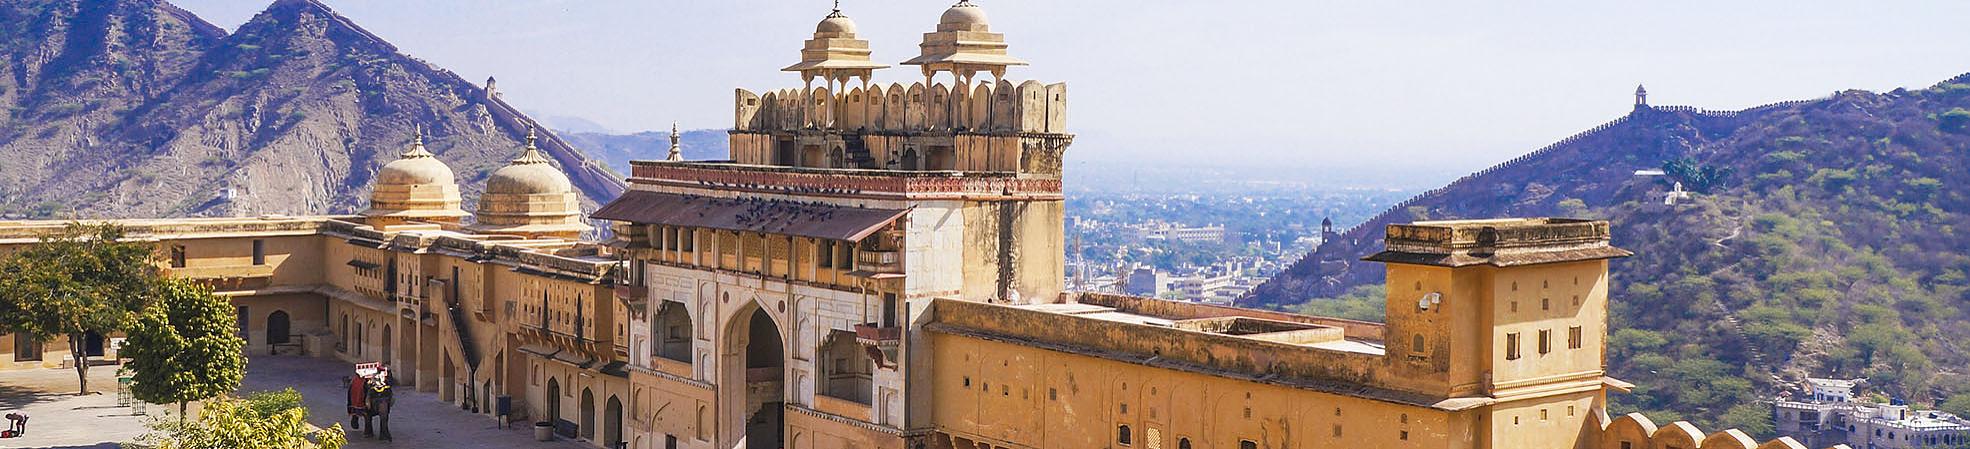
[1501, 242]
[986, 108]
[807, 181]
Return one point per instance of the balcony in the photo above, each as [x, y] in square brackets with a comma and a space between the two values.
[878, 263]
[881, 342]
[635, 296]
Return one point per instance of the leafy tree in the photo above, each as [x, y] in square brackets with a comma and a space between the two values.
[183, 347]
[80, 280]
[1751, 417]
[261, 421]
[1954, 120]
[1958, 404]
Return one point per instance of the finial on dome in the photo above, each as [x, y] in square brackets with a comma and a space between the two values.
[417, 145]
[532, 154]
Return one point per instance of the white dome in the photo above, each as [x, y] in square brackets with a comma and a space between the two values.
[529, 179]
[835, 23]
[964, 13]
[415, 171]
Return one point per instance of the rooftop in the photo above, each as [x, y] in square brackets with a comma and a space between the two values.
[1498, 242]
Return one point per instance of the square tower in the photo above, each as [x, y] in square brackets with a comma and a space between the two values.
[1514, 310]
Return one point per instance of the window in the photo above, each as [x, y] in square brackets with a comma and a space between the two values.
[177, 256]
[1515, 307]
[1573, 337]
[690, 238]
[1183, 443]
[241, 319]
[1416, 343]
[1405, 435]
[259, 252]
[1337, 431]
[1122, 435]
[27, 348]
[846, 256]
[1248, 444]
[1542, 414]
[1053, 394]
[1627, 445]
[670, 441]
[889, 318]
[1545, 341]
[1545, 303]
[1512, 346]
[827, 256]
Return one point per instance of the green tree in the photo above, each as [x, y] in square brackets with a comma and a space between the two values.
[183, 348]
[262, 421]
[1958, 404]
[82, 279]
[1751, 417]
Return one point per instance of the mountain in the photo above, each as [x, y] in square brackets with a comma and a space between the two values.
[618, 149]
[1823, 237]
[136, 108]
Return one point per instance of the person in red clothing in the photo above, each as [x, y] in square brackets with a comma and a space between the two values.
[358, 400]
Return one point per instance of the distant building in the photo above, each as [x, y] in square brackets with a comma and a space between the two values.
[1167, 231]
[1828, 415]
[1147, 282]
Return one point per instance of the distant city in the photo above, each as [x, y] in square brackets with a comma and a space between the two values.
[1205, 235]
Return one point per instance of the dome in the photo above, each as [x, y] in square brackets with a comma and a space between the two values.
[836, 23]
[409, 171]
[530, 197]
[529, 179]
[416, 186]
[964, 13]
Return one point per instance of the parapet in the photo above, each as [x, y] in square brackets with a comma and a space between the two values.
[1498, 242]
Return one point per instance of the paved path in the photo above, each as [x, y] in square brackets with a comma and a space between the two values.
[420, 420]
[63, 420]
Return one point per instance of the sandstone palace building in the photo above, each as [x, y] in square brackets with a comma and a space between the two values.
[879, 266]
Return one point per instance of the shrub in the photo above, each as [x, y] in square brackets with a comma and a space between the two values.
[1954, 120]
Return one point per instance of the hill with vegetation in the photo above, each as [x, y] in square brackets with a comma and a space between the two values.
[137, 108]
[1823, 237]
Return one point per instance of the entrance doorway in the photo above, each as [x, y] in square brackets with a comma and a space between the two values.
[612, 423]
[277, 328]
[765, 396]
[588, 414]
[553, 400]
[92, 344]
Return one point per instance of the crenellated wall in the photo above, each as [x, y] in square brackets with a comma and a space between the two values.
[1634, 431]
[1003, 107]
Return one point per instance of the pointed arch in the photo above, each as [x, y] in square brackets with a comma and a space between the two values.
[981, 107]
[875, 109]
[1678, 434]
[913, 106]
[853, 111]
[940, 107]
[1632, 428]
[896, 110]
[1729, 439]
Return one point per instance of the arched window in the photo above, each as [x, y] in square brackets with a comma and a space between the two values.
[1416, 343]
[846, 369]
[1122, 435]
[673, 330]
[1183, 443]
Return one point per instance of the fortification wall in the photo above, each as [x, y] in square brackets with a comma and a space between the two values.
[1002, 107]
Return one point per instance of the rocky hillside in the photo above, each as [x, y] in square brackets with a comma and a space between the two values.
[1823, 238]
[136, 108]
[618, 149]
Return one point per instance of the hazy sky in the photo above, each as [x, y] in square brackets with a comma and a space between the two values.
[1439, 86]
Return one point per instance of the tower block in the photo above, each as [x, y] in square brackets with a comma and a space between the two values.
[1514, 311]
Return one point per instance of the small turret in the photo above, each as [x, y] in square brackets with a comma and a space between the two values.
[492, 88]
[676, 147]
[1641, 96]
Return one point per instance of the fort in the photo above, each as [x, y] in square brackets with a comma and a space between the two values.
[888, 275]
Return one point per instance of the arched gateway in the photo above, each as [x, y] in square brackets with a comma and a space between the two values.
[753, 360]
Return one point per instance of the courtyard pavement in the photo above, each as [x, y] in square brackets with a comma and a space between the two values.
[62, 420]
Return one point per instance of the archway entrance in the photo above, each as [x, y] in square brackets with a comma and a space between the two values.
[765, 357]
[553, 401]
[277, 328]
[612, 423]
[388, 346]
[587, 414]
[92, 344]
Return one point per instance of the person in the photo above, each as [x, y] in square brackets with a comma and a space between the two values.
[17, 424]
[358, 401]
